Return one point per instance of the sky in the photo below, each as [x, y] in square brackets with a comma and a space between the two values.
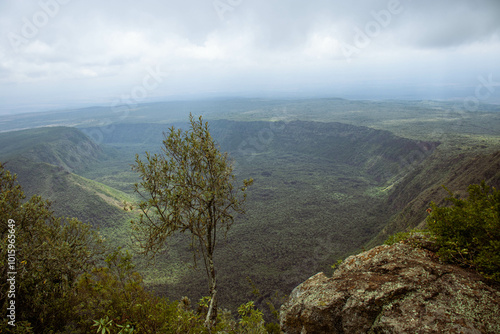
[70, 53]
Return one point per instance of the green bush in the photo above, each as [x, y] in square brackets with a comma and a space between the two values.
[47, 253]
[468, 232]
[113, 297]
[251, 319]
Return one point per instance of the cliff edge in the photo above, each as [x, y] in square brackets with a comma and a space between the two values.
[393, 289]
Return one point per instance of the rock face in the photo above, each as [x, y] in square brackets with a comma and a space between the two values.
[393, 289]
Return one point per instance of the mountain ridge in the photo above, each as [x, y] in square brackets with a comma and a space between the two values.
[64, 147]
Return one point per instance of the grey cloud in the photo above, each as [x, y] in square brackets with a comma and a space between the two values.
[452, 23]
[292, 41]
[422, 24]
[275, 25]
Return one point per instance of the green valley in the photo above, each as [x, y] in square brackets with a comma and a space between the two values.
[331, 176]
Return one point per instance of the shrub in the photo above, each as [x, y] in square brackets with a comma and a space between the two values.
[48, 254]
[468, 232]
[251, 319]
[115, 294]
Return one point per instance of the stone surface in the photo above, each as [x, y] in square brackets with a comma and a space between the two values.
[393, 289]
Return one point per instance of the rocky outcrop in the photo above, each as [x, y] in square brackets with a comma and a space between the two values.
[393, 289]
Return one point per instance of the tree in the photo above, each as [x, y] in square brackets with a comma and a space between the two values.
[45, 257]
[468, 232]
[188, 187]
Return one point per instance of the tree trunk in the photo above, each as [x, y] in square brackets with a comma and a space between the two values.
[212, 308]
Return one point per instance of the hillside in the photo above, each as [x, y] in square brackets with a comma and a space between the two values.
[412, 196]
[43, 160]
[67, 148]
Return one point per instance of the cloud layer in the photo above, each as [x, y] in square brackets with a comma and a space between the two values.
[73, 51]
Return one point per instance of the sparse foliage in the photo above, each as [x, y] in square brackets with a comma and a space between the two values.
[251, 319]
[416, 237]
[103, 325]
[188, 187]
[338, 263]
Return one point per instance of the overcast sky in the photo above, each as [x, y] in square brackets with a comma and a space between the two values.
[58, 53]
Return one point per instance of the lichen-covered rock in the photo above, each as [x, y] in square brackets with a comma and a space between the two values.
[393, 289]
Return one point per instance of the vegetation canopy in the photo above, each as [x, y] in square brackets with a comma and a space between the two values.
[188, 187]
[468, 232]
[47, 257]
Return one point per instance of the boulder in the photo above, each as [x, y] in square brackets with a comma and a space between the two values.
[393, 289]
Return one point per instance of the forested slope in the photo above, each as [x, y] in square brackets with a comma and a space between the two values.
[44, 160]
[412, 196]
